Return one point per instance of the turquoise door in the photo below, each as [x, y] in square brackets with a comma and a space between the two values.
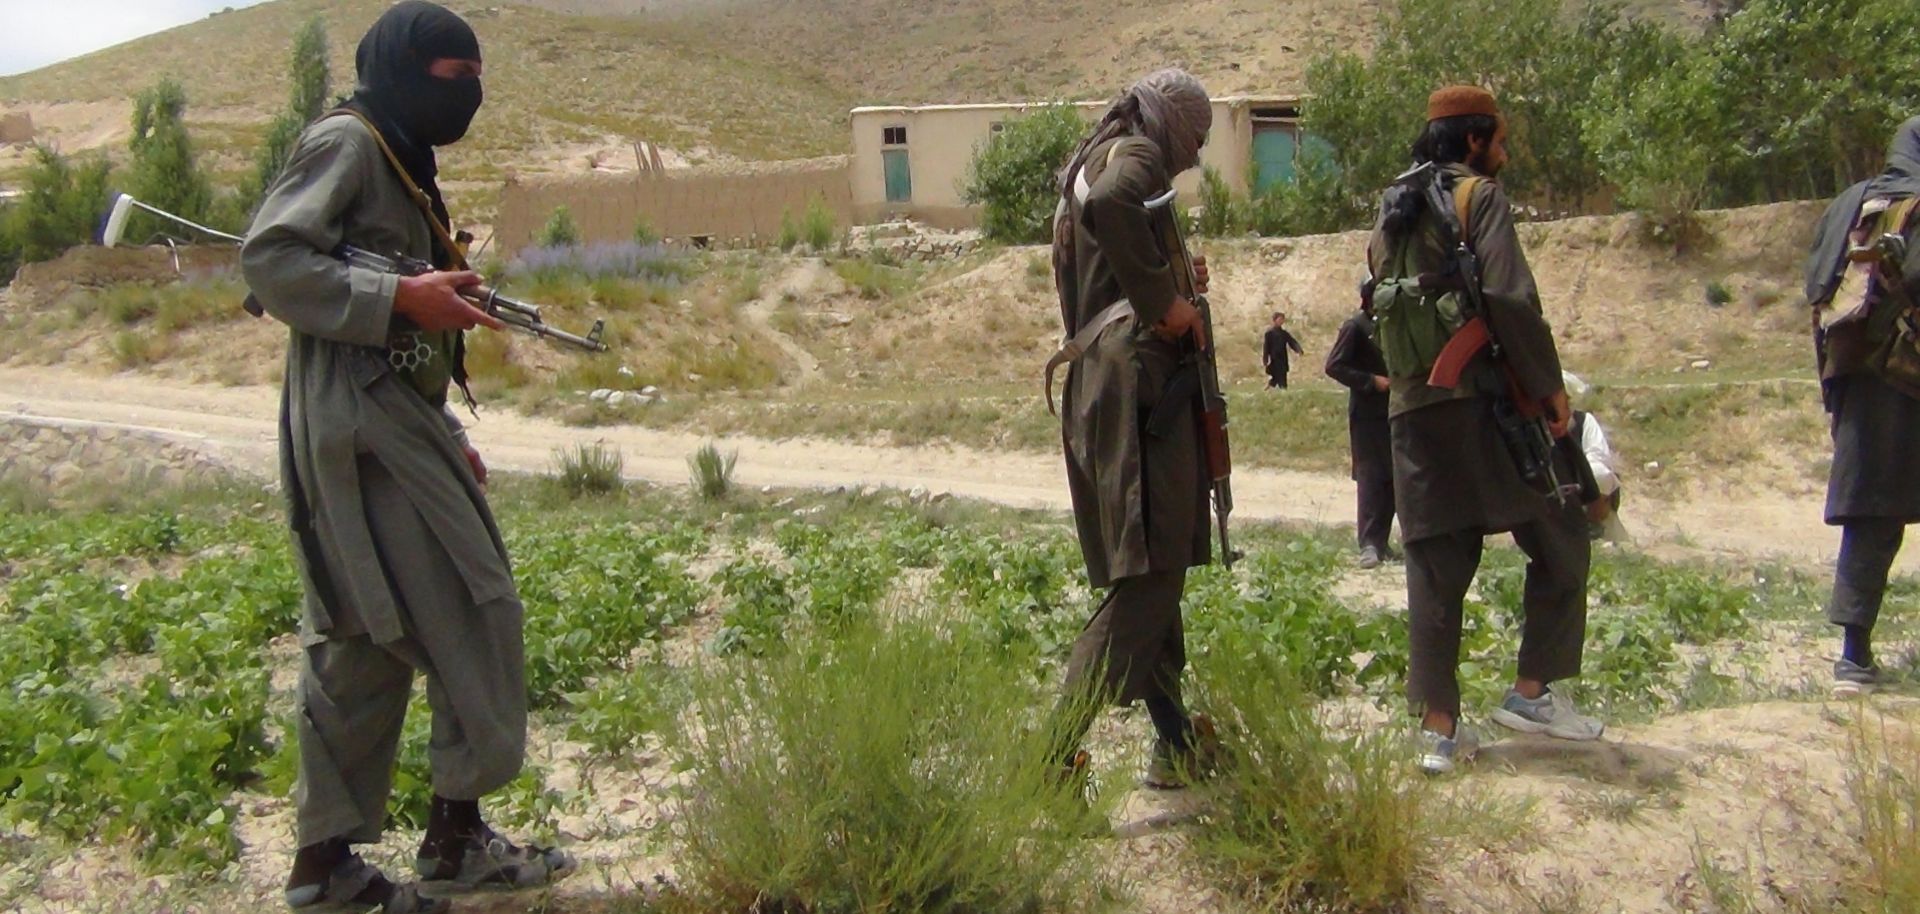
[899, 175]
[1273, 153]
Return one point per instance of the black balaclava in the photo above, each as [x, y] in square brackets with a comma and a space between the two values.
[414, 110]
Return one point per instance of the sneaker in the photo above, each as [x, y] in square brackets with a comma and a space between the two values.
[1441, 754]
[1170, 770]
[1552, 713]
[1851, 680]
[1370, 557]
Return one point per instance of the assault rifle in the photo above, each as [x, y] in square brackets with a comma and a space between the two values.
[1521, 420]
[1199, 351]
[512, 312]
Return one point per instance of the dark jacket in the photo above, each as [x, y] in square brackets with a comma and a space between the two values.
[1354, 361]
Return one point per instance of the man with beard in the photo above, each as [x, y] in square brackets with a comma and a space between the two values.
[402, 563]
[1454, 479]
[1863, 278]
[1355, 361]
[1133, 455]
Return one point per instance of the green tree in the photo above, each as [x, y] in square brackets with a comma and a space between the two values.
[1012, 176]
[164, 174]
[311, 82]
[560, 231]
[57, 209]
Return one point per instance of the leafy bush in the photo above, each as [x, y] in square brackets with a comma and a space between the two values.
[644, 233]
[1013, 173]
[59, 206]
[712, 471]
[818, 224]
[759, 605]
[891, 769]
[560, 230]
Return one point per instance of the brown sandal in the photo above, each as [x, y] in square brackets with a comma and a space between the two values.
[337, 895]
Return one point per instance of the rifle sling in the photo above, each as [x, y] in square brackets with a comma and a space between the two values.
[1071, 350]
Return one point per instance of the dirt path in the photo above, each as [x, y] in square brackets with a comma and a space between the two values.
[796, 282]
[236, 424]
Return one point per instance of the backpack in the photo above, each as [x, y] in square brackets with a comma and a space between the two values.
[1871, 323]
[1413, 324]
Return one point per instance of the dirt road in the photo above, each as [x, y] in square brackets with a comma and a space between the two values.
[236, 424]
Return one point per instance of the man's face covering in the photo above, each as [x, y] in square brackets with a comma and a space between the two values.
[393, 64]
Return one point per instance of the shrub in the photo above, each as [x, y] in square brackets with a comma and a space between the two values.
[59, 207]
[590, 469]
[1883, 777]
[1303, 814]
[560, 230]
[1013, 174]
[712, 471]
[818, 224]
[644, 234]
[597, 260]
[885, 770]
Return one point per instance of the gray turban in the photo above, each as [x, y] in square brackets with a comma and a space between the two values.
[1175, 114]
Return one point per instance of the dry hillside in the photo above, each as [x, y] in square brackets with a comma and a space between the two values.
[573, 81]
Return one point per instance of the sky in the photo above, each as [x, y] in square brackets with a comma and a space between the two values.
[34, 33]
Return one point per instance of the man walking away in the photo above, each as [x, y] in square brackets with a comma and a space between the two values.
[1863, 277]
[1273, 351]
[1455, 481]
[1355, 361]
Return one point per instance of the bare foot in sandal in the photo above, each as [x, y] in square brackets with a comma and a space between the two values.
[329, 877]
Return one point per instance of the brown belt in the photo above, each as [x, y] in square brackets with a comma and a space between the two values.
[1071, 350]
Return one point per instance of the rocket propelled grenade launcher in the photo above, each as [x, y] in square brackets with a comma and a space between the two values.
[510, 311]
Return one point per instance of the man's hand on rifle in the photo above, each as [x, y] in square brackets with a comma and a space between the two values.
[432, 302]
[1181, 317]
[1559, 415]
[1200, 274]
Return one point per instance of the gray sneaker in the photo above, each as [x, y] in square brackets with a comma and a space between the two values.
[1441, 754]
[1851, 680]
[1369, 557]
[1552, 713]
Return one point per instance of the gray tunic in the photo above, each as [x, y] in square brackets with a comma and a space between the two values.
[341, 399]
[1139, 501]
[1451, 471]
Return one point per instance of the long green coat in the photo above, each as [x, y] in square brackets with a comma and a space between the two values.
[1139, 501]
[1451, 471]
[342, 401]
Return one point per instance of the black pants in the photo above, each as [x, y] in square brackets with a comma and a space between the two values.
[1372, 447]
[1867, 549]
[1553, 601]
[1277, 379]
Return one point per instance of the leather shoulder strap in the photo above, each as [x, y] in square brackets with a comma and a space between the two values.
[1463, 203]
[420, 198]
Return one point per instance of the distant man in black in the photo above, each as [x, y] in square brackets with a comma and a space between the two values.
[1274, 354]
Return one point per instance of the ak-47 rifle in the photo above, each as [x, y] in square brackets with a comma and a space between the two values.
[1198, 350]
[510, 311]
[1521, 419]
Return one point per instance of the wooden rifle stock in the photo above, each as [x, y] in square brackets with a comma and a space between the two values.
[1210, 414]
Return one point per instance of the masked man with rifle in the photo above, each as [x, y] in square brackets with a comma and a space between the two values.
[403, 565]
[1131, 413]
[1477, 413]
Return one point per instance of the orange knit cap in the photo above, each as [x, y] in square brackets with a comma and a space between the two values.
[1458, 101]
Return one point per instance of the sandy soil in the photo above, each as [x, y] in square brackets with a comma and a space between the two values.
[237, 425]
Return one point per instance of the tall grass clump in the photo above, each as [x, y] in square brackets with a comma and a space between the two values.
[1302, 813]
[589, 469]
[906, 775]
[712, 471]
[1883, 775]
